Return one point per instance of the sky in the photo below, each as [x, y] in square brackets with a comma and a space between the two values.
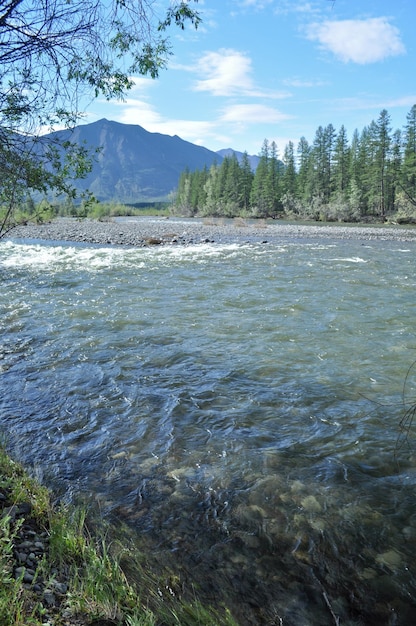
[277, 70]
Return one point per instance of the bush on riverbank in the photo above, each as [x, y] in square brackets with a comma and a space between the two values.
[54, 571]
[102, 210]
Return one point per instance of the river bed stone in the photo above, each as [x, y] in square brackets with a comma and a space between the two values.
[151, 231]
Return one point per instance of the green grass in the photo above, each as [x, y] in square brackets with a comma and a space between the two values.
[106, 577]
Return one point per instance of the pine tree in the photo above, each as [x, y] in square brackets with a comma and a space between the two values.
[408, 178]
[354, 166]
[322, 153]
[341, 166]
[273, 184]
[211, 189]
[289, 183]
[259, 190]
[222, 186]
[305, 171]
[381, 160]
[246, 182]
[232, 191]
[394, 171]
[363, 167]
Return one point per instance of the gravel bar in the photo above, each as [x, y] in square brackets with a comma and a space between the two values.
[150, 231]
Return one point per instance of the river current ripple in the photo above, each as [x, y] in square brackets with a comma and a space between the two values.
[238, 406]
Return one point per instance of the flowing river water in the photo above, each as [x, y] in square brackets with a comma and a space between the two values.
[237, 405]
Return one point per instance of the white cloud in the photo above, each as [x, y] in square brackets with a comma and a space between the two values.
[138, 112]
[359, 41]
[252, 114]
[228, 72]
[299, 82]
[372, 103]
[404, 101]
[196, 131]
[285, 7]
[280, 7]
[257, 4]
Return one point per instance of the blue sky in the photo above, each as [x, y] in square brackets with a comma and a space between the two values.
[278, 69]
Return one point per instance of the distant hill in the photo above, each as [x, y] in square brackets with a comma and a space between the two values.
[228, 152]
[135, 165]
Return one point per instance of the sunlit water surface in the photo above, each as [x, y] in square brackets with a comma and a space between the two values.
[237, 405]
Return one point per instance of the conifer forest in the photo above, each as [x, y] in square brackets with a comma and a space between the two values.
[370, 177]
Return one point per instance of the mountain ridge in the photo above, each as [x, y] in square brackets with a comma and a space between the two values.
[134, 165]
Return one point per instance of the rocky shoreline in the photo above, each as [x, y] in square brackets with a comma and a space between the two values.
[30, 549]
[150, 231]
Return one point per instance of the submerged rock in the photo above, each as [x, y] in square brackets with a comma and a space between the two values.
[390, 559]
[311, 504]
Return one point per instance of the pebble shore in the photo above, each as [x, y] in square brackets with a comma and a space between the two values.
[150, 231]
[30, 553]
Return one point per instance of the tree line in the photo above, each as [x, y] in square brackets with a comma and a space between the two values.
[370, 177]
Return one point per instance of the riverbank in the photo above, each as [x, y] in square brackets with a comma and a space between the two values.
[151, 231]
[54, 571]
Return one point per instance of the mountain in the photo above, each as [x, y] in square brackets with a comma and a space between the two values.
[133, 164]
[228, 152]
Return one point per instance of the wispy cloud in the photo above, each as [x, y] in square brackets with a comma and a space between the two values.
[301, 83]
[228, 72]
[135, 111]
[374, 103]
[255, 4]
[253, 114]
[285, 7]
[358, 41]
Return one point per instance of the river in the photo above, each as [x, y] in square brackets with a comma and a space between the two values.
[237, 405]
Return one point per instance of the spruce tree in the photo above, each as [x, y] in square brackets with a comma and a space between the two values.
[273, 183]
[305, 172]
[382, 155]
[341, 167]
[246, 182]
[408, 178]
[289, 183]
[259, 190]
[232, 201]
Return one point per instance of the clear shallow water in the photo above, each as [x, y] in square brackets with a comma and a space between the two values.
[238, 406]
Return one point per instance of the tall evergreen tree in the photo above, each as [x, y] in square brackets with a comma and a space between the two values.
[232, 192]
[289, 183]
[322, 155]
[363, 166]
[305, 171]
[273, 183]
[342, 160]
[408, 179]
[330, 142]
[211, 189]
[382, 154]
[259, 190]
[222, 186]
[246, 182]
[394, 171]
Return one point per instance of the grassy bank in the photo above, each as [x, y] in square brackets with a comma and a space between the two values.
[54, 570]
